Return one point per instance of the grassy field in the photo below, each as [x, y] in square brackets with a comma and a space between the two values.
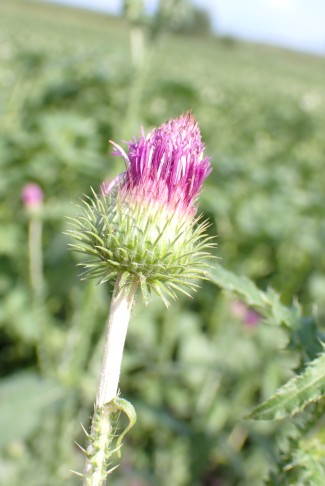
[67, 86]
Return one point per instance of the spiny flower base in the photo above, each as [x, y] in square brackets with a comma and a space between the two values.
[162, 250]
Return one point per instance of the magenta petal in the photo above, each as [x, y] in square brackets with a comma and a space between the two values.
[167, 165]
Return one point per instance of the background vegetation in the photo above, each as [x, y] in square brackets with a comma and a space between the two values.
[68, 84]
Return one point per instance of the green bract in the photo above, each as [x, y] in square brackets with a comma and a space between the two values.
[163, 251]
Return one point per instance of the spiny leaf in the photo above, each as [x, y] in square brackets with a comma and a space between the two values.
[296, 394]
[267, 303]
[240, 284]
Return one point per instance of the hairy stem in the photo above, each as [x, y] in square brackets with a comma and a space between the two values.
[102, 428]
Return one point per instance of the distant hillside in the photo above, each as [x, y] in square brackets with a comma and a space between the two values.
[96, 23]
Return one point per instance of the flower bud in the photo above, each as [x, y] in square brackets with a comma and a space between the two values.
[32, 196]
[144, 228]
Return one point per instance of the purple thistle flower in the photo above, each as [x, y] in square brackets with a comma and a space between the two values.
[166, 166]
[252, 318]
[248, 316]
[32, 196]
[142, 229]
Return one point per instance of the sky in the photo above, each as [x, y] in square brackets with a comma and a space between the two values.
[296, 24]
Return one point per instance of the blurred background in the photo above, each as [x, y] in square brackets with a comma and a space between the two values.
[70, 80]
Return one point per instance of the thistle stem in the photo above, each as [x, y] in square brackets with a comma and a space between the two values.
[35, 257]
[102, 428]
[117, 325]
[137, 45]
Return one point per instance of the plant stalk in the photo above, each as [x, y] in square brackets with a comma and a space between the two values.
[36, 257]
[102, 428]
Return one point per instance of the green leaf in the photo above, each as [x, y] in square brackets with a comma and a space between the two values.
[267, 303]
[126, 407]
[23, 397]
[240, 284]
[295, 395]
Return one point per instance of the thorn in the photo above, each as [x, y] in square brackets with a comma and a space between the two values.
[112, 469]
[81, 448]
[116, 450]
[77, 473]
[85, 431]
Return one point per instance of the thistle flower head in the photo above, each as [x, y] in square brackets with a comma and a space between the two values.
[32, 196]
[166, 166]
[143, 227]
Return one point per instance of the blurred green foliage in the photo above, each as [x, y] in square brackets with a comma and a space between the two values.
[67, 86]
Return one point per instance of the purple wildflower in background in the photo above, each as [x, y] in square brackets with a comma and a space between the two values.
[252, 318]
[166, 166]
[32, 196]
[248, 316]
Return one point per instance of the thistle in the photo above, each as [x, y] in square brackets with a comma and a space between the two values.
[32, 196]
[142, 232]
[145, 229]
[32, 199]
